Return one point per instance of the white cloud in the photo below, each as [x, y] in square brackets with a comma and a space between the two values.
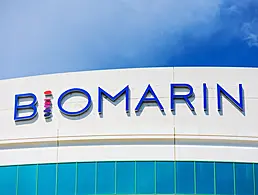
[245, 15]
[250, 32]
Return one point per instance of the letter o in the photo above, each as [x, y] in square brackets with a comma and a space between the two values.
[78, 90]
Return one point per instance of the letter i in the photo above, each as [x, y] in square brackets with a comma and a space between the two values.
[205, 97]
[48, 104]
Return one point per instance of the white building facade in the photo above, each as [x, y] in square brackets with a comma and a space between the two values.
[147, 139]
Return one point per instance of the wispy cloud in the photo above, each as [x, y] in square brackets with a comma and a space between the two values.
[244, 17]
[39, 37]
[250, 32]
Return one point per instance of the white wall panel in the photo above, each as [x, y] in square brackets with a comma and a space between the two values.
[28, 156]
[115, 121]
[93, 137]
[36, 128]
[116, 153]
[216, 153]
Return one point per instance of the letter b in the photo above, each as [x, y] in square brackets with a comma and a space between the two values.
[31, 106]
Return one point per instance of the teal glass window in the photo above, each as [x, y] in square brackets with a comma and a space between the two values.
[204, 177]
[145, 178]
[185, 177]
[224, 178]
[86, 178]
[244, 179]
[8, 178]
[256, 178]
[165, 178]
[125, 178]
[27, 180]
[47, 179]
[66, 179]
[105, 178]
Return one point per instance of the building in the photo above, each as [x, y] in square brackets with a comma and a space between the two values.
[129, 143]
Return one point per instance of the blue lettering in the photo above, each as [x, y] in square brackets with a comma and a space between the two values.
[125, 91]
[74, 90]
[221, 91]
[182, 97]
[145, 99]
[205, 97]
[31, 106]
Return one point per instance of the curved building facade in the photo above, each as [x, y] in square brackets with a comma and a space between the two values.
[190, 131]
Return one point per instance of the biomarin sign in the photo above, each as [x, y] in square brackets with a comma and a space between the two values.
[186, 98]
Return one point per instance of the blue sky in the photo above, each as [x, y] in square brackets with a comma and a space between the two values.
[51, 36]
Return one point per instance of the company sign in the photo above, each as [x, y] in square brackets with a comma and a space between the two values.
[239, 104]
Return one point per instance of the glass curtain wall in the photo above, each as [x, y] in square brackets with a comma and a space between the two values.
[103, 178]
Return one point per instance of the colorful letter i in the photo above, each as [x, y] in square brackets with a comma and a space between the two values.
[48, 104]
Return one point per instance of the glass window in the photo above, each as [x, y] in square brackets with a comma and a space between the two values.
[86, 178]
[224, 178]
[185, 177]
[47, 179]
[105, 178]
[256, 178]
[204, 177]
[27, 179]
[244, 179]
[66, 179]
[8, 178]
[165, 178]
[145, 178]
[125, 178]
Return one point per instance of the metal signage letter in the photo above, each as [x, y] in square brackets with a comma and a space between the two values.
[125, 91]
[74, 90]
[31, 106]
